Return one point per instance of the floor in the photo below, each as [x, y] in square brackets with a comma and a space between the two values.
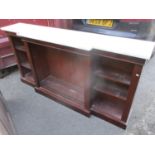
[33, 113]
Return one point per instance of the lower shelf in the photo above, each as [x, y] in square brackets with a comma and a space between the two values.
[63, 88]
[109, 108]
[111, 112]
[20, 48]
[26, 65]
[111, 89]
[28, 78]
[63, 100]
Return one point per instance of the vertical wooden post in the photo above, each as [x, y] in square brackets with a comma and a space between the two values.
[134, 82]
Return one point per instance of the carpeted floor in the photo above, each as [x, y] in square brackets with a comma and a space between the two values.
[33, 113]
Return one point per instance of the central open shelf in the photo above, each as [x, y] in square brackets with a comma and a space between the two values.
[63, 88]
[61, 76]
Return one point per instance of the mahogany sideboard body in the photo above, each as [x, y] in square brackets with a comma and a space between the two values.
[95, 82]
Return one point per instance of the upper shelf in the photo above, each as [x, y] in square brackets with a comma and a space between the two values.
[84, 40]
[115, 76]
[20, 48]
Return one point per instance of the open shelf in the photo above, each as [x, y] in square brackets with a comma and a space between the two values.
[26, 65]
[63, 88]
[111, 89]
[27, 76]
[114, 75]
[108, 108]
[17, 42]
[24, 62]
[20, 48]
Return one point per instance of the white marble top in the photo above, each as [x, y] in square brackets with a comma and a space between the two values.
[84, 40]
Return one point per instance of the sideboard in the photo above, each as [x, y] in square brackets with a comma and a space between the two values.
[90, 73]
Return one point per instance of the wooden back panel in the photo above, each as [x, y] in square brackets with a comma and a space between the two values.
[67, 66]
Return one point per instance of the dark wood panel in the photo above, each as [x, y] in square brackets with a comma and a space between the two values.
[39, 61]
[67, 66]
[56, 47]
[132, 89]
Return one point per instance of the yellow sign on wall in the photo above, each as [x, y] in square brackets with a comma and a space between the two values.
[100, 22]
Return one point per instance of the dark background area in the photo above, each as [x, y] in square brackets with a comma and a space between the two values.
[143, 29]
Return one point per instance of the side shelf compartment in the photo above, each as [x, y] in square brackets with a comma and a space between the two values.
[7, 57]
[23, 58]
[114, 83]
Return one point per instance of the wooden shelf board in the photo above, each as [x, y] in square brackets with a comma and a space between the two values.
[63, 100]
[26, 65]
[63, 88]
[108, 108]
[113, 75]
[115, 92]
[10, 65]
[20, 48]
[28, 78]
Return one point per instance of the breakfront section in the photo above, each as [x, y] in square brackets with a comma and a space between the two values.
[114, 80]
[62, 73]
[23, 58]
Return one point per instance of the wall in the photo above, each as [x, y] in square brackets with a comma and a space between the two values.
[44, 22]
[61, 23]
